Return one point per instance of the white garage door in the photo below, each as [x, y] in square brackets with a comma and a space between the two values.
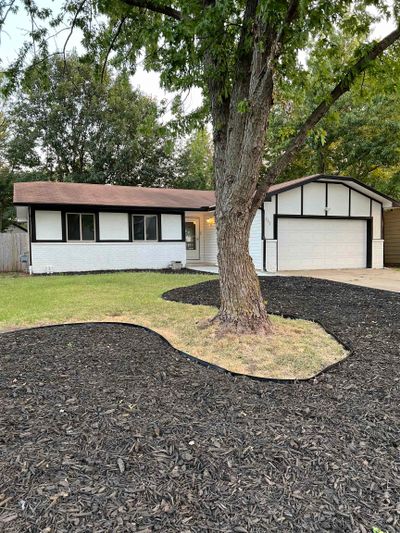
[305, 243]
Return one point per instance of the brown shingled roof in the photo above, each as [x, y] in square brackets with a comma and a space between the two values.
[59, 193]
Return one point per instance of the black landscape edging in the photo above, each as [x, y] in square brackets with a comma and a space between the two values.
[196, 360]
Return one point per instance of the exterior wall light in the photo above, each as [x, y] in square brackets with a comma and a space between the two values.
[210, 221]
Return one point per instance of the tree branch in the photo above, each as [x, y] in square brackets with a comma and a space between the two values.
[320, 111]
[9, 7]
[115, 37]
[274, 50]
[152, 5]
[291, 15]
[80, 7]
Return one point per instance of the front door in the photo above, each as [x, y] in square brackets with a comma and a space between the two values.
[192, 237]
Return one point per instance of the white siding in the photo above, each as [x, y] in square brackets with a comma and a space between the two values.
[270, 210]
[290, 202]
[80, 257]
[377, 253]
[171, 227]
[210, 249]
[114, 226]
[360, 205]
[338, 200]
[22, 213]
[255, 241]
[48, 225]
[377, 220]
[313, 199]
[270, 252]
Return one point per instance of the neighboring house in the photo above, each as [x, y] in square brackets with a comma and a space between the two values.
[315, 222]
[392, 236]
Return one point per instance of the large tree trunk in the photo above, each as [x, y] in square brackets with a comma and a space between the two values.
[242, 309]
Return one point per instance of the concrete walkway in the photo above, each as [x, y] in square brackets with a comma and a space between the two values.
[387, 279]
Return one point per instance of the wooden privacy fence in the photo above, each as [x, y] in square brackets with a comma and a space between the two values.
[392, 236]
[12, 246]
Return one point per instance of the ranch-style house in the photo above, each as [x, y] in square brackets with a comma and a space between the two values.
[314, 222]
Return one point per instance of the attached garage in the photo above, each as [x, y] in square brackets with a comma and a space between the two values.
[324, 222]
[314, 243]
[312, 223]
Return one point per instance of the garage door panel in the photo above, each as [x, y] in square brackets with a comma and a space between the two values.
[320, 244]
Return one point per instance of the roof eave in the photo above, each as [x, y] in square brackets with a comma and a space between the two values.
[110, 206]
[317, 177]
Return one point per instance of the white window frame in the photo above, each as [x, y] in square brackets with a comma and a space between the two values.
[80, 227]
[145, 230]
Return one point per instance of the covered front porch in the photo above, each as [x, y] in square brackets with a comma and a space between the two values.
[201, 241]
[201, 238]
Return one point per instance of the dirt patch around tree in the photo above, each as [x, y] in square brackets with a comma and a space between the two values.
[295, 349]
[107, 428]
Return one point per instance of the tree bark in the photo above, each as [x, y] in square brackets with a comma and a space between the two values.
[242, 309]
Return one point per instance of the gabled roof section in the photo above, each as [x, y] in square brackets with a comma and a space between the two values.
[352, 182]
[88, 194]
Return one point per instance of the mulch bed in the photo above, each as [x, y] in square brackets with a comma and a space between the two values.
[106, 428]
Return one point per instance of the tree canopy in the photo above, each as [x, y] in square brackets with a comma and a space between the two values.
[67, 125]
[359, 137]
[194, 163]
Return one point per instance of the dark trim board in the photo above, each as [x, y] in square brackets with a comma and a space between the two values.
[264, 244]
[96, 224]
[159, 232]
[369, 242]
[327, 183]
[349, 201]
[112, 209]
[326, 198]
[350, 189]
[302, 200]
[323, 217]
[369, 227]
[30, 235]
[96, 211]
[321, 178]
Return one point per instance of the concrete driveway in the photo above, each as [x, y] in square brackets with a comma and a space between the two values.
[387, 279]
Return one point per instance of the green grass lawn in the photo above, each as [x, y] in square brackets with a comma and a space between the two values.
[296, 349]
[32, 300]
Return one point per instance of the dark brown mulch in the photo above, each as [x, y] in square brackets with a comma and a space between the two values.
[105, 428]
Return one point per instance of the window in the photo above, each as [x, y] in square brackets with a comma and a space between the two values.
[190, 235]
[145, 227]
[80, 227]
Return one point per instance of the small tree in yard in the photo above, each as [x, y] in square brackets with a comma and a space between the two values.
[237, 51]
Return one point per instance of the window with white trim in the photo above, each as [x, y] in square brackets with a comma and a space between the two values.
[81, 227]
[145, 227]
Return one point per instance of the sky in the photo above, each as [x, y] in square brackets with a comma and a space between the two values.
[15, 32]
[16, 28]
